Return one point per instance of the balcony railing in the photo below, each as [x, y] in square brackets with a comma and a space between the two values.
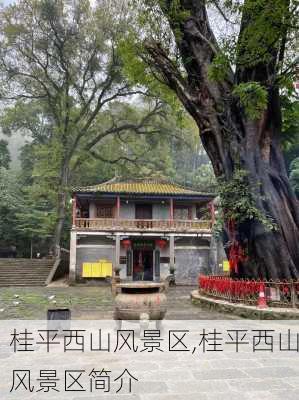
[164, 225]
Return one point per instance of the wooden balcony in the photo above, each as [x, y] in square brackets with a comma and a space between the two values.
[140, 225]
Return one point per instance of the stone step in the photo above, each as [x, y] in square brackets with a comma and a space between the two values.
[15, 275]
[20, 269]
[23, 267]
[2, 273]
[29, 273]
[30, 279]
[27, 278]
[25, 284]
[24, 271]
[22, 264]
[29, 283]
[26, 259]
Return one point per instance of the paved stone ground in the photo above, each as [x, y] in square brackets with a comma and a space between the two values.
[226, 375]
[90, 303]
[223, 375]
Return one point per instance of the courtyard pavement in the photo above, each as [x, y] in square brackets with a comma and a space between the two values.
[90, 303]
[224, 374]
[182, 375]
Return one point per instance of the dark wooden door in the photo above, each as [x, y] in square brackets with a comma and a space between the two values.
[143, 211]
[143, 265]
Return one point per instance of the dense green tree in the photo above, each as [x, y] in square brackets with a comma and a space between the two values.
[4, 154]
[34, 223]
[10, 203]
[169, 150]
[290, 138]
[25, 219]
[290, 128]
[60, 71]
[166, 150]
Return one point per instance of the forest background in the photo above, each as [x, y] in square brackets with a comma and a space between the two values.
[71, 116]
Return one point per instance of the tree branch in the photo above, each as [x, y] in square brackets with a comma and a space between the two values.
[126, 127]
[115, 161]
[172, 77]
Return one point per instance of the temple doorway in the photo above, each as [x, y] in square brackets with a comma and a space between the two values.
[143, 265]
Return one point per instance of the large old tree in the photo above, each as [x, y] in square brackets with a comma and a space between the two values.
[234, 97]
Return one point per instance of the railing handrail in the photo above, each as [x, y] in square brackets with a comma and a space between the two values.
[146, 220]
[143, 224]
[285, 293]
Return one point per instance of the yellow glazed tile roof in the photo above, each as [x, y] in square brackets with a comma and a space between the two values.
[154, 187]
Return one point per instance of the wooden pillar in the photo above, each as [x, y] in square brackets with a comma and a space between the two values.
[73, 257]
[74, 211]
[118, 207]
[171, 209]
[117, 252]
[92, 208]
[171, 253]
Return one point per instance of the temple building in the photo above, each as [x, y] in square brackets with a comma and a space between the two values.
[143, 229]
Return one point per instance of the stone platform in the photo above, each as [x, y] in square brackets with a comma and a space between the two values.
[242, 310]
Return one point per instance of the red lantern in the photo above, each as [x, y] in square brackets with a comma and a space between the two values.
[126, 243]
[161, 243]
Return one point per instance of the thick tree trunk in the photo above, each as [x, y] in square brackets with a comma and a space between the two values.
[60, 221]
[61, 206]
[273, 254]
[233, 141]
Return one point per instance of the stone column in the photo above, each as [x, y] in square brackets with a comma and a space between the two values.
[171, 253]
[216, 255]
[73, 256]
[117, 207]
[212, 263]
[115, 272]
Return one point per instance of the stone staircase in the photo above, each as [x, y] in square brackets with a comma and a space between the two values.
[24, 272]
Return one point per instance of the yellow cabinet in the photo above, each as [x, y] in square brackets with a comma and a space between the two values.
[106, 268]
[87, 270]
[99, 269]
[96, 270]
